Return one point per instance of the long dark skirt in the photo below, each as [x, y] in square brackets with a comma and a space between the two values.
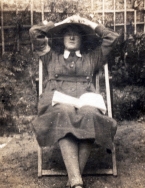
[84, 123]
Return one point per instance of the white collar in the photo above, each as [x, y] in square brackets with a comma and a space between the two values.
[67, 53]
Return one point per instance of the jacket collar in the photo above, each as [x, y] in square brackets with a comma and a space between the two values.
[67, 53]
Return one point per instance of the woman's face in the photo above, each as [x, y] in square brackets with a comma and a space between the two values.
[72, 40]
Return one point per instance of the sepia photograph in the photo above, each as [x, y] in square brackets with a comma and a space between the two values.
[72, 90]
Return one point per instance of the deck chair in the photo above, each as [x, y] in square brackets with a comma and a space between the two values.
[113, 170]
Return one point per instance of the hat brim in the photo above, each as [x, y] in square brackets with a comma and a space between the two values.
[90, 39]
[57, 30]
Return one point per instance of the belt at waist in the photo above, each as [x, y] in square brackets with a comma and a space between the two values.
[71, 78]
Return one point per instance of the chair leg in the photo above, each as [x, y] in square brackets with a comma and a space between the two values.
[39, 161]
[114, 160]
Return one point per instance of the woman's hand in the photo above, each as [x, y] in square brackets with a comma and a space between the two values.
[78, 19]
[67, 20]
[87, 22]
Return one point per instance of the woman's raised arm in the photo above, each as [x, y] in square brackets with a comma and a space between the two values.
[39, 39]
[107, 35]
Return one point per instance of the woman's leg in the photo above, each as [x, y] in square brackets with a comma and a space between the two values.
[69, 149]
[85, 147]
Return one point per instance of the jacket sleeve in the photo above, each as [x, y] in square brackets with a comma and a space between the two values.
[39, 39]
[109, 38]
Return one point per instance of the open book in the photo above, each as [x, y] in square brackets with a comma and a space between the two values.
[87, 99]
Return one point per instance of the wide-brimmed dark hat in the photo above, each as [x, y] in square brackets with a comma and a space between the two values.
[89, 38]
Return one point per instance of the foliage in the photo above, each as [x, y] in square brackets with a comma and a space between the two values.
[18, 21]
[128, 77]
[128, 64]
[18, 89]
[128, 102]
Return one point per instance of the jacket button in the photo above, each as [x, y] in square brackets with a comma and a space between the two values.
[72, 64]
[56, 76]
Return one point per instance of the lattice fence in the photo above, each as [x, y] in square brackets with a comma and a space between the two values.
[124, 16]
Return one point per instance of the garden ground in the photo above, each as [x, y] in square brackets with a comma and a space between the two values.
[18, 161]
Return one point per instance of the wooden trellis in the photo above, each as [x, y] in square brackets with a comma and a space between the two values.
[125, 11]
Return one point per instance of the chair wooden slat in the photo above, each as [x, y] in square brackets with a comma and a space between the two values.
[53, 172]
[40, 77]
[108, 90]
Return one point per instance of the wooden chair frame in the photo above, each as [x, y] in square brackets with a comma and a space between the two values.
[112, 171]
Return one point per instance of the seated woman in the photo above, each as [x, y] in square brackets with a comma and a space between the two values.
[72, 52]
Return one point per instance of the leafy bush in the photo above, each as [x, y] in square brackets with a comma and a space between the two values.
[128, 65]
[18, 89]
[128, 77]
[128, 102]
